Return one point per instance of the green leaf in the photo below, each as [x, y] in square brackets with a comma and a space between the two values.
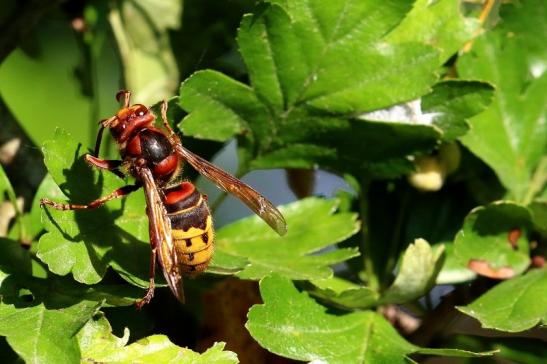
[224, 263]
[453, 270]
[437, 23]
[344, 294]
[39, 334]
[141, 31]
[6, 188]
[47, 187]
[311, 66]
[511, 136]
[314, 47]
[514, 305]
[312, 226]
[455, 101]
[85, 243]
[340, 139]
[41, 316]
[96, 338]
[417, 273]
[207, 92]
[484, 243]
[291, 324]
[46, 71]
[98, 344]
[539, 212]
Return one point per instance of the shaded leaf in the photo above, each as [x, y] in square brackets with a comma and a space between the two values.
[455, 101]
[484, 243]
[84, 242]
[514, 305]
[291, 324]
[417, 273]
[312, 224]
[539, 212]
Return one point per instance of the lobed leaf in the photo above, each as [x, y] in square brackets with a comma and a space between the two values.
[98, 344]
[41, 316]
[453, 269]
[514, 305]
[511, 136]
[300, 254]
[291, 324]
[312, 66]
[84, 242]
[437, 23]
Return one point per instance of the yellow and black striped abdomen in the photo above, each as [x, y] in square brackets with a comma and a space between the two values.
[192, 228]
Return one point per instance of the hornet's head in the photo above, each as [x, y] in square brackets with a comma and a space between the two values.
[128, 119]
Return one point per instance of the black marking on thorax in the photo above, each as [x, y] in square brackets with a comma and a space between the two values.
[155, 146]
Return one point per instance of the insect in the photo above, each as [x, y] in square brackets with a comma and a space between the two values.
[180, 223]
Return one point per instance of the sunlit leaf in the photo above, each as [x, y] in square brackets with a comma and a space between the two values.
[417, 273]
[141, 31]
[453, 270]
[514, 305]
[313, 225]
[438, 23]
[511, 136]
[292, 324]
[453, 102]
[41, 316]
[306, 78]
[98, 344]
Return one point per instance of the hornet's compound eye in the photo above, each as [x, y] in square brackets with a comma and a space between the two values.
[140, 110]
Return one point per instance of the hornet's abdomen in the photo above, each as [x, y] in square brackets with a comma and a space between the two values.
[192, 227]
